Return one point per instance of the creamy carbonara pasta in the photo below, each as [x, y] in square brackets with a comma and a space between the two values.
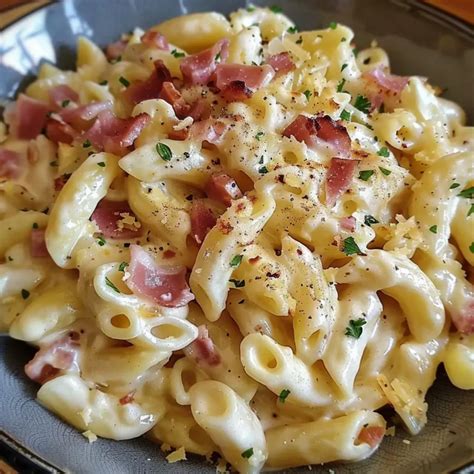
[237, 237]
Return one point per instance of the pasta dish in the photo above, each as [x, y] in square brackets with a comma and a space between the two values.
[239, 238]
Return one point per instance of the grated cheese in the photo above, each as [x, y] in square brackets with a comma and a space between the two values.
[178, 455]
[91, 437]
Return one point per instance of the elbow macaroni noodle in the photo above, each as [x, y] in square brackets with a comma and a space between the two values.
[317, 315]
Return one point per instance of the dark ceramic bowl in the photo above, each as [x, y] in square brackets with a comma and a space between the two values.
[419, 40]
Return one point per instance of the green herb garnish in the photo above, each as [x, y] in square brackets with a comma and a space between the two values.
[454, 186]
[101, 164]
[177, 54]
[101, 241]
[276, 9]
[355, 328]
[65, 103]
[263, 170]
[363, 104]
[307, 94]
[122, 266]
[25, 294]
[467, 193]
[111, 285]
[333, 25]
[124, 81]
[341, 84]
[383, 152]
[238, 283]
[236, 259]
[385, 171]
[350, 247]
[365, 174]
[164, 151]
[434, 229]
[369, 220]
[283, 395]
[345, 115]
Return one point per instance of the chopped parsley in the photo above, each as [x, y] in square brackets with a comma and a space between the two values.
[103, 83]
[307, 94]
[344, 66]
[65, 103]
[111, 285]
[25, 294]
[53, 163]
[177, 54]
[164, 151]
[250, 9]
[124, 81]
[283, 395]
[238, 283]
[259, 135]
[385, 171]
[434, 229]
[86, 144]
[276, 9]
[293, 29]
[299, 40]
[355, 328]
[218, 57]
[467, 193]
[454, 186]
[263, 170]
[35, 225]
[101, 241]
[345, 115]
[363, 104]
[236, 259]
[122, 266]
[369, 220]
[471, 247]
[333, 25]
[471, 210]
[350, 246]
[383, 152]
[365, 174]
[101, 164]
[248, 453]
[341, 84]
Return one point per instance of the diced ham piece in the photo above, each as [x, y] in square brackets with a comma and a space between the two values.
[339, 178]
[281, 62]
[27, 117]
[61, 93]
[38, 244]
[237, 81]
[200, 110]
[151, 87]
[115, 50]
[208, 130]
[61, 354]
[371, 435]
[60, 132]
[202, 220]
[128, 398]
[222, 188]
[107, 215]
[80, 117]
[198, 68]
[153, 39]
[170, 94]
[115, 135]
[179, 134]
[163, 285]
[348, 223]
[464, 322]
[10, 164]
[313, 129]
[202, 350]
[389, 82]
[60, 181]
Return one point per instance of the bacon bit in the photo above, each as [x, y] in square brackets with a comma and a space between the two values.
[107, 215]
[60, 132]
[202, 220]
[170, 94]
[209, 130]
[339, 178]
[163, 285]
[281, 62]
[38, 244]
[382, 86]
[198, 68]
[128, 398]
[371, 435]
[60, 354]
[253, 77]
[154, 39]
[10, 164]
[115, 135]
[200, 110]
[224, 227]
[61, 93]
[178, 134]
[202, 350]
[236, 91]
[348, 223]
[80, 117]
[254, 260]
[115, 50]
[151, 87]
[27, 117]
[169, 254]
[464, 321]
[222, 188]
